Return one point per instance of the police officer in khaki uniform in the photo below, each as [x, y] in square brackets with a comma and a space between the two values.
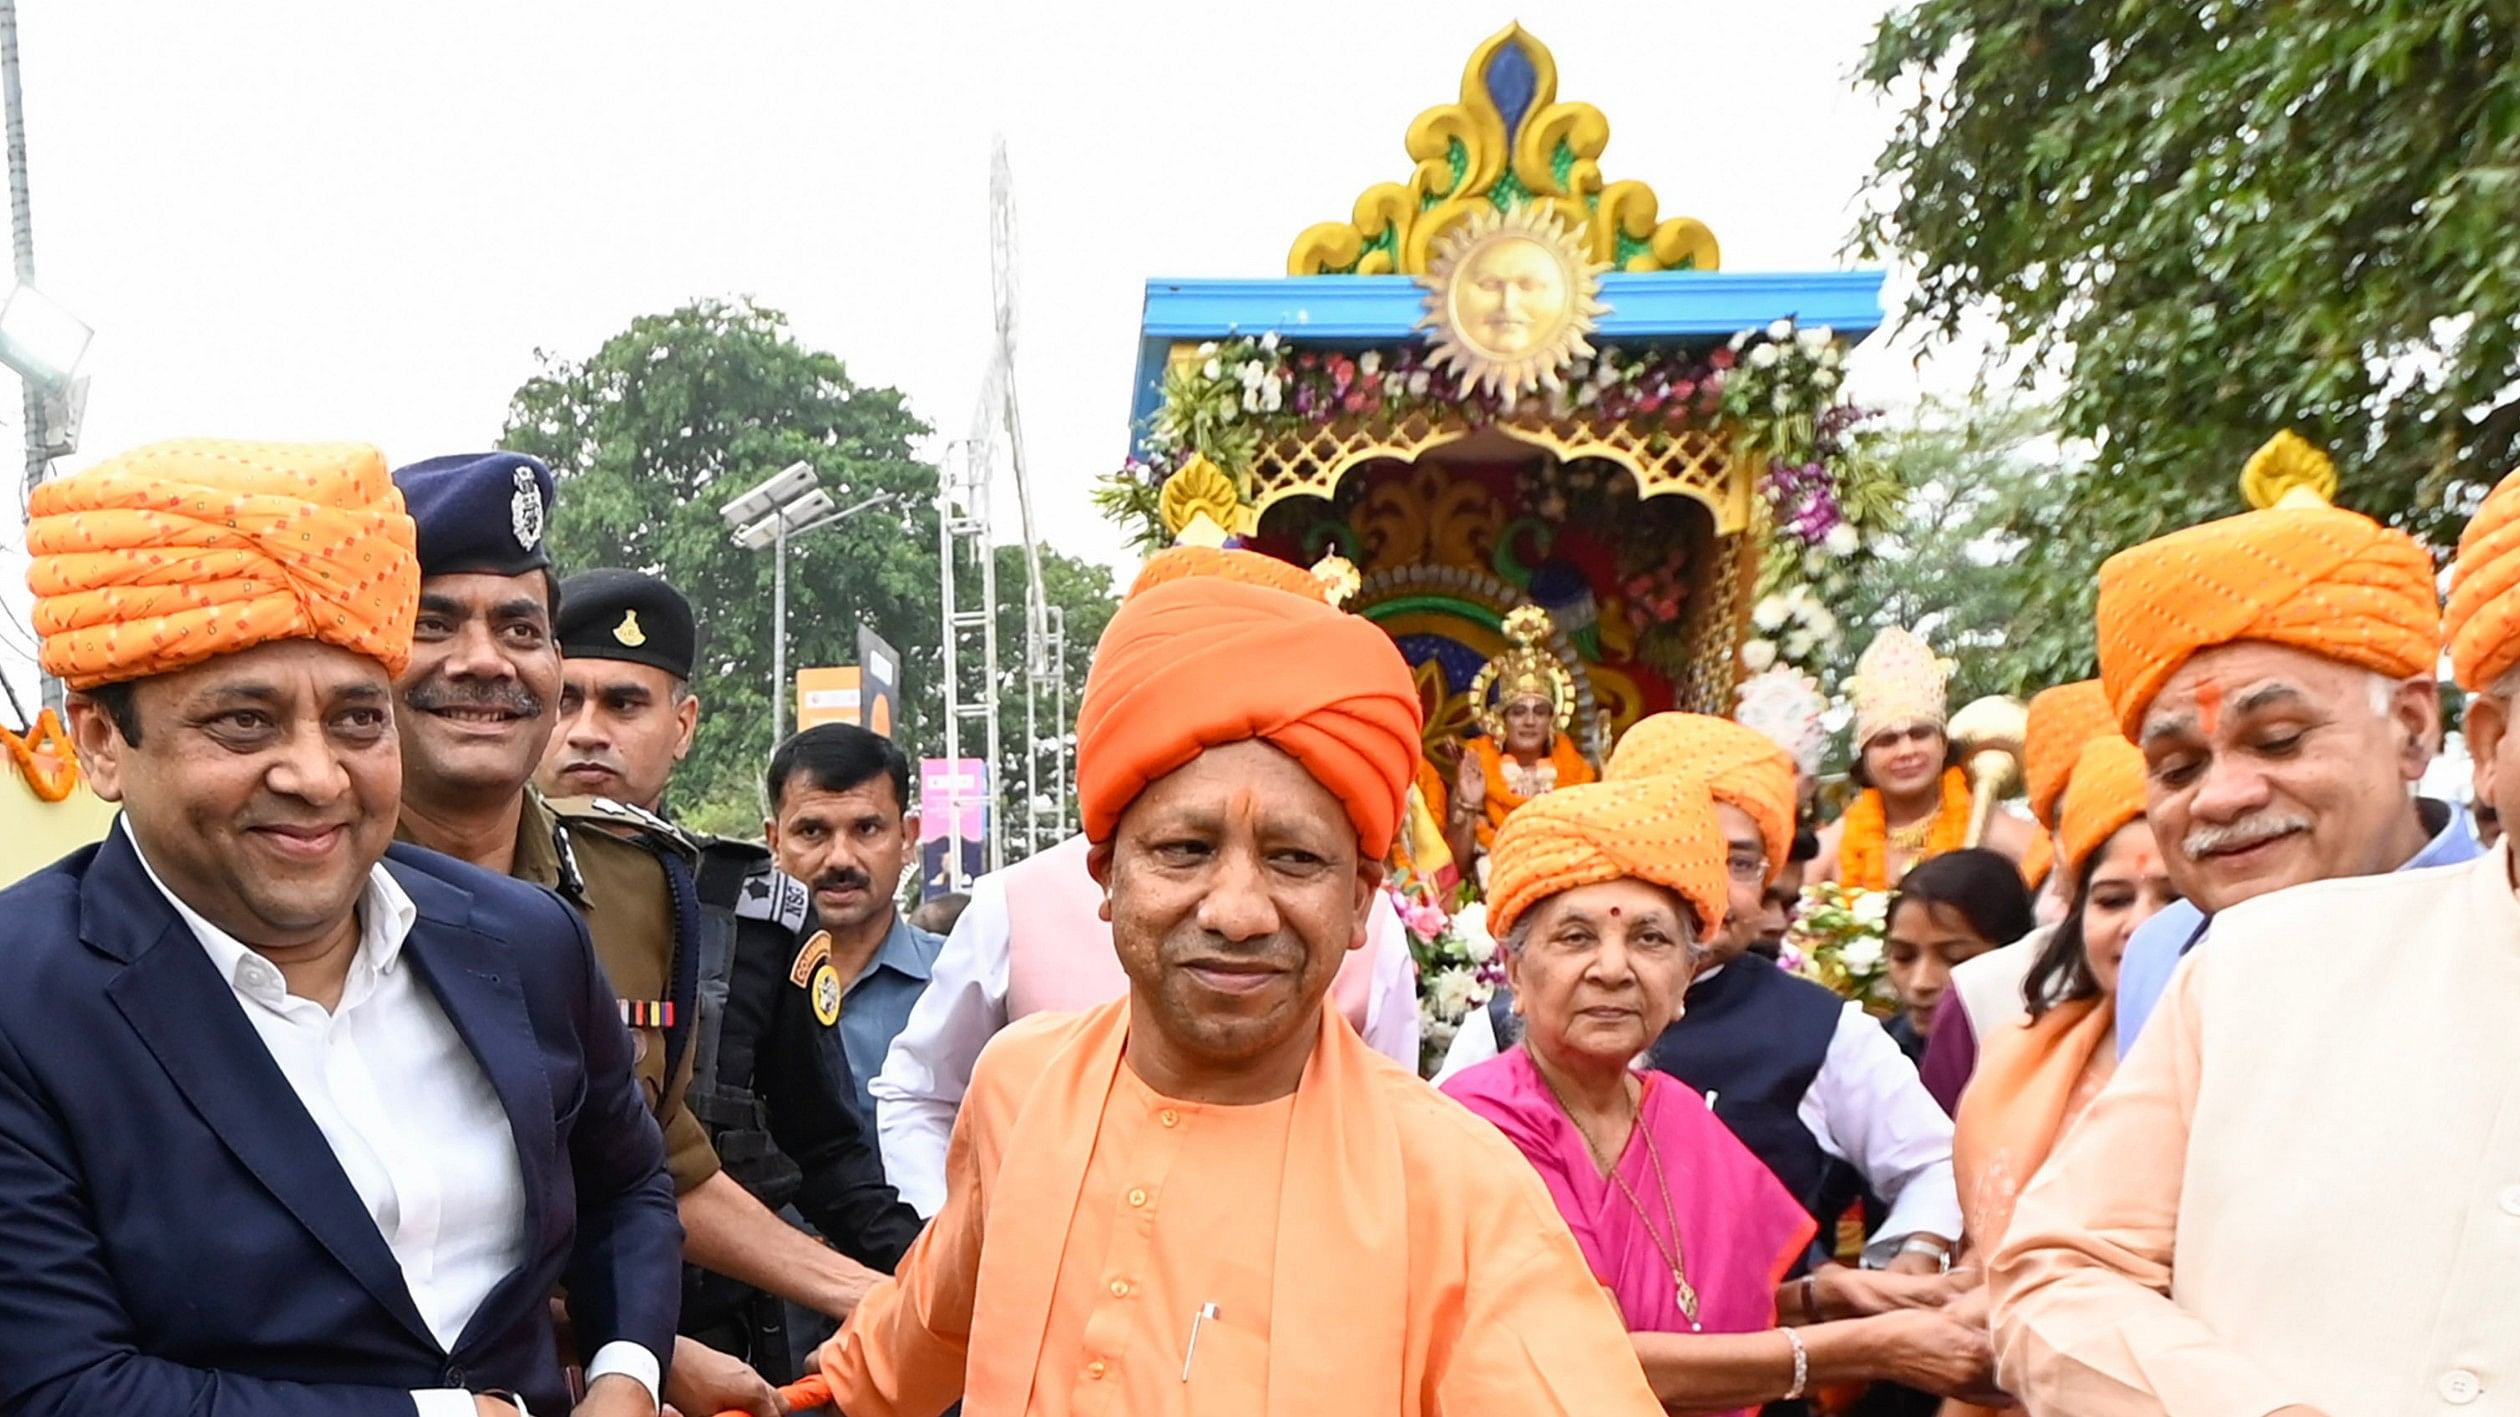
[770, 1080]
[474, 711]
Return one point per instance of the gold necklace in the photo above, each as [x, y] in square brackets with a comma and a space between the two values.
[1674, 1254]
[1915, 838]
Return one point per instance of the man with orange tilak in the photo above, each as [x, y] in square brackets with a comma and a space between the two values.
[294, 1121]
[2277, 670]
[2295, 1085]
[1210, 1196]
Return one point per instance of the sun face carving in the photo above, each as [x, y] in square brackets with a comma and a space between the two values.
[1510, 300]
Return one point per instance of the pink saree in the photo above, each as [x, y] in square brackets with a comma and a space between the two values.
[1740, 1230]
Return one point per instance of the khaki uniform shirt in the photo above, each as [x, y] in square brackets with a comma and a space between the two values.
[620, 888]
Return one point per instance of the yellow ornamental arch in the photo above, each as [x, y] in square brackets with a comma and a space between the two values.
[1507, 144]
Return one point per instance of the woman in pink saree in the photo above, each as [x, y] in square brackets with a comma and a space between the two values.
[1601, 893]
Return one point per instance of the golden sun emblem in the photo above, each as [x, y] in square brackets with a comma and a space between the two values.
[1510, 299]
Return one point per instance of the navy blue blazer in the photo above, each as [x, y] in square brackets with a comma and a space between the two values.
[175, 1235]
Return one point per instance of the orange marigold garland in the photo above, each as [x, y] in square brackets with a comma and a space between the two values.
[44, 758]
[1864, 838]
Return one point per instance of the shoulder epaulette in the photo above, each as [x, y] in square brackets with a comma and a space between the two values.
[773, 895]
[622, 819]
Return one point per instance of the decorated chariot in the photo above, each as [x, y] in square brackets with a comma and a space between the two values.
[1507, 381]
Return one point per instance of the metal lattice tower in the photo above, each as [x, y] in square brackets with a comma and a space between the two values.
[965, 535]
[997, 422]
[962, 540]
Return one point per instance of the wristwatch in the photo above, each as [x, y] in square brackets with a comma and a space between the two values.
[1928, 1245]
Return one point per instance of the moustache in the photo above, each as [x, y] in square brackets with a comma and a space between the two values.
[2201, 842]
[438, 695]
[843, 880]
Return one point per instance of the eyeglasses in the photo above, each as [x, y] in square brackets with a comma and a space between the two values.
[1745, 867]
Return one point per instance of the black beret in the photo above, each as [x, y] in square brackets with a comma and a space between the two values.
[479, 512]
[627, 615]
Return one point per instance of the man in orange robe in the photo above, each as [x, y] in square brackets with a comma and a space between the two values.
[1211, 1196]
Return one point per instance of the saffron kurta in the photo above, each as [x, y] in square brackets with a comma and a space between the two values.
[2252, 1215]
[1370, 1247]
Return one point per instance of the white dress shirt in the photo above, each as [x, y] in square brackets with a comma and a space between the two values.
[410, 1116]
[1865, 1107]
[929, 1067]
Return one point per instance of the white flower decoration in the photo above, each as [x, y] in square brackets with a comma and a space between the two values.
[1759, 656]
[1764, 357]
[1418, 384]
[1863, 955]
[1269, 341]
[1213, 372]
[1781, 331]
[1770, 613]
[1208, 351]
[1370, 362]
[1844, 540]
[1813, 340]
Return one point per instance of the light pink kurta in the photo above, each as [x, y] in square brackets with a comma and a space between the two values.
[2303, 1185]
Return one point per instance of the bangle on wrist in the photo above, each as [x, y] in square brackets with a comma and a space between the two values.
[1802, 1366]
[1811, 1298]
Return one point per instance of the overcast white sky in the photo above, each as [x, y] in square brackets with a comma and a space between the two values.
[312, 219]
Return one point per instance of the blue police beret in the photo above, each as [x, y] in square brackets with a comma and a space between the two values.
[479, 512]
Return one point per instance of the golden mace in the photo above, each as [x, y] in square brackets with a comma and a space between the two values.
[1987, 738]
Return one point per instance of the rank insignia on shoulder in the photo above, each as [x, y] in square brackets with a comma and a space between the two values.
[826, 989]
[817, 951]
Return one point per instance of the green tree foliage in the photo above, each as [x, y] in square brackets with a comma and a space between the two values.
[1984, 558]
[678, 414]
[2229, 218]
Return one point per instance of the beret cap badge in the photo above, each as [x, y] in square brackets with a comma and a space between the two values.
[525, 509]
[628, 631]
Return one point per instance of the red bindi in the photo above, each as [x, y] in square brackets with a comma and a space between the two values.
[1614, 912]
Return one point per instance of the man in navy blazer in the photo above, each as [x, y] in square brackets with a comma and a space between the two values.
[291, 1124]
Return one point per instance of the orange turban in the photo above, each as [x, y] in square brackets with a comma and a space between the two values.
[1740, 766]
[2109, 791]
[1657, 829]
[182, 551]
[1248, 567]
[1195, 663]
[2314, 578]
[2062, 720]
[2037, 859]
[2483, 625]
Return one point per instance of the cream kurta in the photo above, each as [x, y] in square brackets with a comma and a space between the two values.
[2304, 1184]
[1372, 1248]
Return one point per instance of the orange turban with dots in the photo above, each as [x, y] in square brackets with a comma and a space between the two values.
[1740, 766]
[1201, 661]
[2062, 720]
[2108, 792]
[1657, 829]
[2300, 574]
[2483, 624]
[182, 551]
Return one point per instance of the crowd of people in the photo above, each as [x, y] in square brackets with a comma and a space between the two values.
[397, 1052]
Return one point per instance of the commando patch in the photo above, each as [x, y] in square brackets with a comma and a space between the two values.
[826, 994]
[816, 951]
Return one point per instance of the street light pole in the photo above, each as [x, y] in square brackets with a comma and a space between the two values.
[778, 637]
